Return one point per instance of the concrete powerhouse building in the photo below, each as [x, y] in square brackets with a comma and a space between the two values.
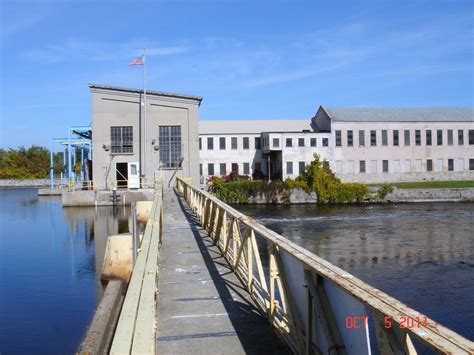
[127, 152]
[361, 145]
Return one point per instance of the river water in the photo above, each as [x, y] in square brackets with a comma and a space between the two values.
[421, 254]
[50, 260]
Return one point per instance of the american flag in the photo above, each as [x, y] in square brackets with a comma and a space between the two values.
[137, 61]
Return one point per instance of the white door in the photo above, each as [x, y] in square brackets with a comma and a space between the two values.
[133, 175]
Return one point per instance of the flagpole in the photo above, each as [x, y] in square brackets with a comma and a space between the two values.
[145, 121]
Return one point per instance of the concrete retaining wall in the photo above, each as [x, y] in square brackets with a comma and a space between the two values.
[18, 184]
[103, 198]
[431, 195]
[299, 196]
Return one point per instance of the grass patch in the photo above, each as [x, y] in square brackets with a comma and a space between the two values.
[431, 184]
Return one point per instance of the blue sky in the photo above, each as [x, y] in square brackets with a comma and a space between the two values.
[248, 59]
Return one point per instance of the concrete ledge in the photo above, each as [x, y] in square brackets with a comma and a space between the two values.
[104, 198]
[431, 195]
[99, 335]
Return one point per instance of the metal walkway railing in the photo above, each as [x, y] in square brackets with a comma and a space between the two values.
[316, 307]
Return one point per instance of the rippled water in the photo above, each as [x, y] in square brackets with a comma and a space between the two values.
[50, 260]
[422, 254]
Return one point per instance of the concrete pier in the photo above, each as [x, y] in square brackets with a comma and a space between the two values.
[202, 306]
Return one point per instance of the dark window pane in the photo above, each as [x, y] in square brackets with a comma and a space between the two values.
[450, 137]
[325, 142]
[460, 137]
[418, 137]
[428, 138]
[300, 142]
[429, 165]
[289, 142]
[170, 146]
[338, 139]
[471, 136]
[450, 164]
[210, 169]
[289, 167]
[385, 166]
[471, 164]
[246, 143]
[233, 142]
[121, 139]
[246, 168]
[395, 137]
[362, 166]
[276, 142]
[200, 143]
[350, 138]
[301, 166]
[222, 143]
[406, 137]
[210, 143]
[384, 137]
[373, 138]
[439, 135]
[361, 138]
[313, 142]
[222, 169]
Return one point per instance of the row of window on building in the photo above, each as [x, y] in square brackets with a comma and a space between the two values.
[394, 166]
[245, 142]
[121, 142]
[407, 135]
[405, 166]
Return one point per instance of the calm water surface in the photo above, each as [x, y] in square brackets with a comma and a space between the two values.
[50, 260]
[422, 254]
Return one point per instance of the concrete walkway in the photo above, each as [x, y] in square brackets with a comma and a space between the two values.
[202, 307]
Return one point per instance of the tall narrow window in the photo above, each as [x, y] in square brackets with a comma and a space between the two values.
[222, 169]
[350, 138]
[235, 168]
[325, 142]
[373, 138]
[246, 168]
[210, 143]
[289, 142]
[460, 137]
[301, 166]
[471, 136]
[200, 169]
[429, 165]
[385, 166]
[313, 142]
[170, 146]
[384, 137]
[362, 166]
[210, 169]
[395, 137]
[439, 137]
[428, 138]
[450, 164]
[222, 143]
[257, 143]
[246, 143]
[406, 137]
[276, 142]
[338, 139]
[300, 142]
[417, 137]
[289, 167]
[450, 137]
[361, 138]
[121, 139]
[233, 143]
[200, 144]
[471, 164]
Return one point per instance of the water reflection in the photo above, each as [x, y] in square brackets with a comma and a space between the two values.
[422, 254]
[50, 263]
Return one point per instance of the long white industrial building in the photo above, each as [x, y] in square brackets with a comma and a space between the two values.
[368, 145]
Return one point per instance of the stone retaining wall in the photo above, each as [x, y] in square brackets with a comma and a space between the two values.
[17, 184]
[431, 195]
